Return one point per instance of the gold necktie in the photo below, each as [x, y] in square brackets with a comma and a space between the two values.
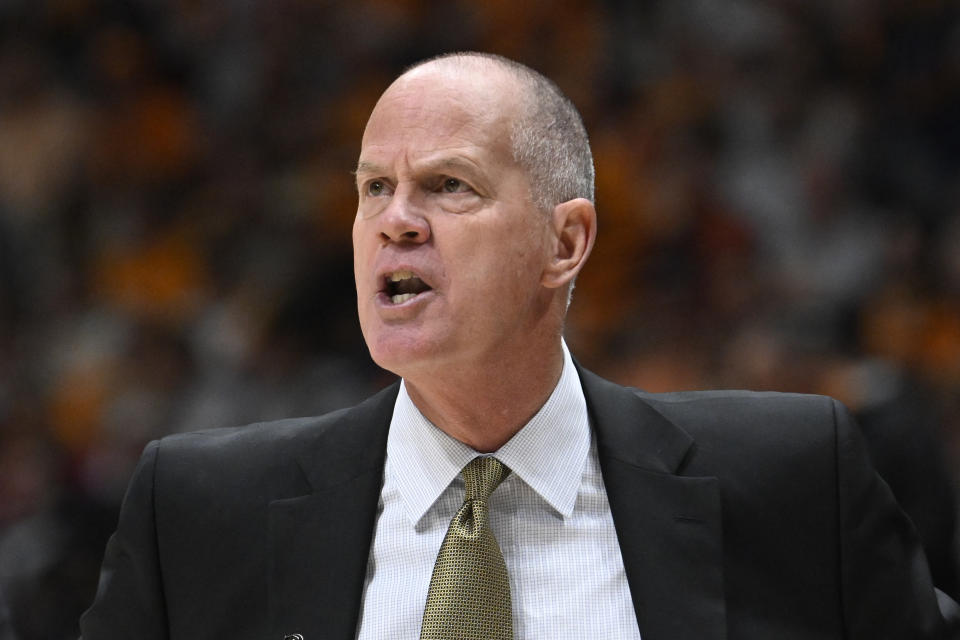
[469, 596]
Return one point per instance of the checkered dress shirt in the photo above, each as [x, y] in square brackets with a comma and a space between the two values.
[550, 516]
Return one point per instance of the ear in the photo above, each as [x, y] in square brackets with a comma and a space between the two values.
[574, 228]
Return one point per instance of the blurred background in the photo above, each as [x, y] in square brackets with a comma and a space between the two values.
[778, 186]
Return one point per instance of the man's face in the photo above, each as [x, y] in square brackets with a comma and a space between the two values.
[448, 247]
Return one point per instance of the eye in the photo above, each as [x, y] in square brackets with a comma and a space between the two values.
[453, 185]
[377, 187]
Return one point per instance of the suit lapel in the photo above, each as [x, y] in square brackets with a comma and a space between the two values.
[669, 526]
[321, 542]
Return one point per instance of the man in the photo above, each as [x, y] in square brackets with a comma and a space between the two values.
[618, 514]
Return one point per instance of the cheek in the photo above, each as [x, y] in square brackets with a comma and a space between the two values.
[359, 263]
[528, 253]
[362, 262]
[511, 272]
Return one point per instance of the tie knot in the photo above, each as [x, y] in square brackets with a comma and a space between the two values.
[482, 476]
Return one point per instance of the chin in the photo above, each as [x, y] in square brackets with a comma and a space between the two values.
[400, 354]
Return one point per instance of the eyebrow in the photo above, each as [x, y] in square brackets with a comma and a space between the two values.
[440, 164]
[453, 162]
[367, 167]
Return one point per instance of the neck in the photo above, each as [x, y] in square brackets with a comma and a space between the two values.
[483, 405]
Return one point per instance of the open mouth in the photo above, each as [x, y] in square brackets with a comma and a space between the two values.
[401, 286]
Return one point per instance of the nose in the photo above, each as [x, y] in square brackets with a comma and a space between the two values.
[403, 221]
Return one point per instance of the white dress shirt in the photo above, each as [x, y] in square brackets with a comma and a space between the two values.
[550, 516]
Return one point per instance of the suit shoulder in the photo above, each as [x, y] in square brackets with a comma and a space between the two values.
[225, 464]
[266, 454]
[763, 446]
[738, 400]
[750, 413]
[257, 435]
[263, 437]
[732, 396]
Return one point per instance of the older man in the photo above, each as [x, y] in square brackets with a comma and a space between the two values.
[499, 490]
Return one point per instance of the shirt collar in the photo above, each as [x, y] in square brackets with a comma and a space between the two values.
[548, 453]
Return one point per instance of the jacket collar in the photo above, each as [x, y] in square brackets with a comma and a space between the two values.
[320, 542]
[669, 526]
[631, 431]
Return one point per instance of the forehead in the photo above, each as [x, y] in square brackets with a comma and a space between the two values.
[443, 107]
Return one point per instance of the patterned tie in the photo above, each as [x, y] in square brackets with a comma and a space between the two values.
[469, 596]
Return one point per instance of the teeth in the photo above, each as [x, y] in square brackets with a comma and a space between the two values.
[403, 297]
[397, 276]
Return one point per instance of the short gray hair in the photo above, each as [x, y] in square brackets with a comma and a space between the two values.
[548, 140]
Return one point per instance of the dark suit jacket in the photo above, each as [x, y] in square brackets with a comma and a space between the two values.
[740, 515]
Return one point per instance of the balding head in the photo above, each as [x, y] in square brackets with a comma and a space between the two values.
[547, 136]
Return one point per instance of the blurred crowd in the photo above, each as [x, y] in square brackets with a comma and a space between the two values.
[779, 198]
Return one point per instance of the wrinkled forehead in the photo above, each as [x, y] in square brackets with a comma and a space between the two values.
[475, 102]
